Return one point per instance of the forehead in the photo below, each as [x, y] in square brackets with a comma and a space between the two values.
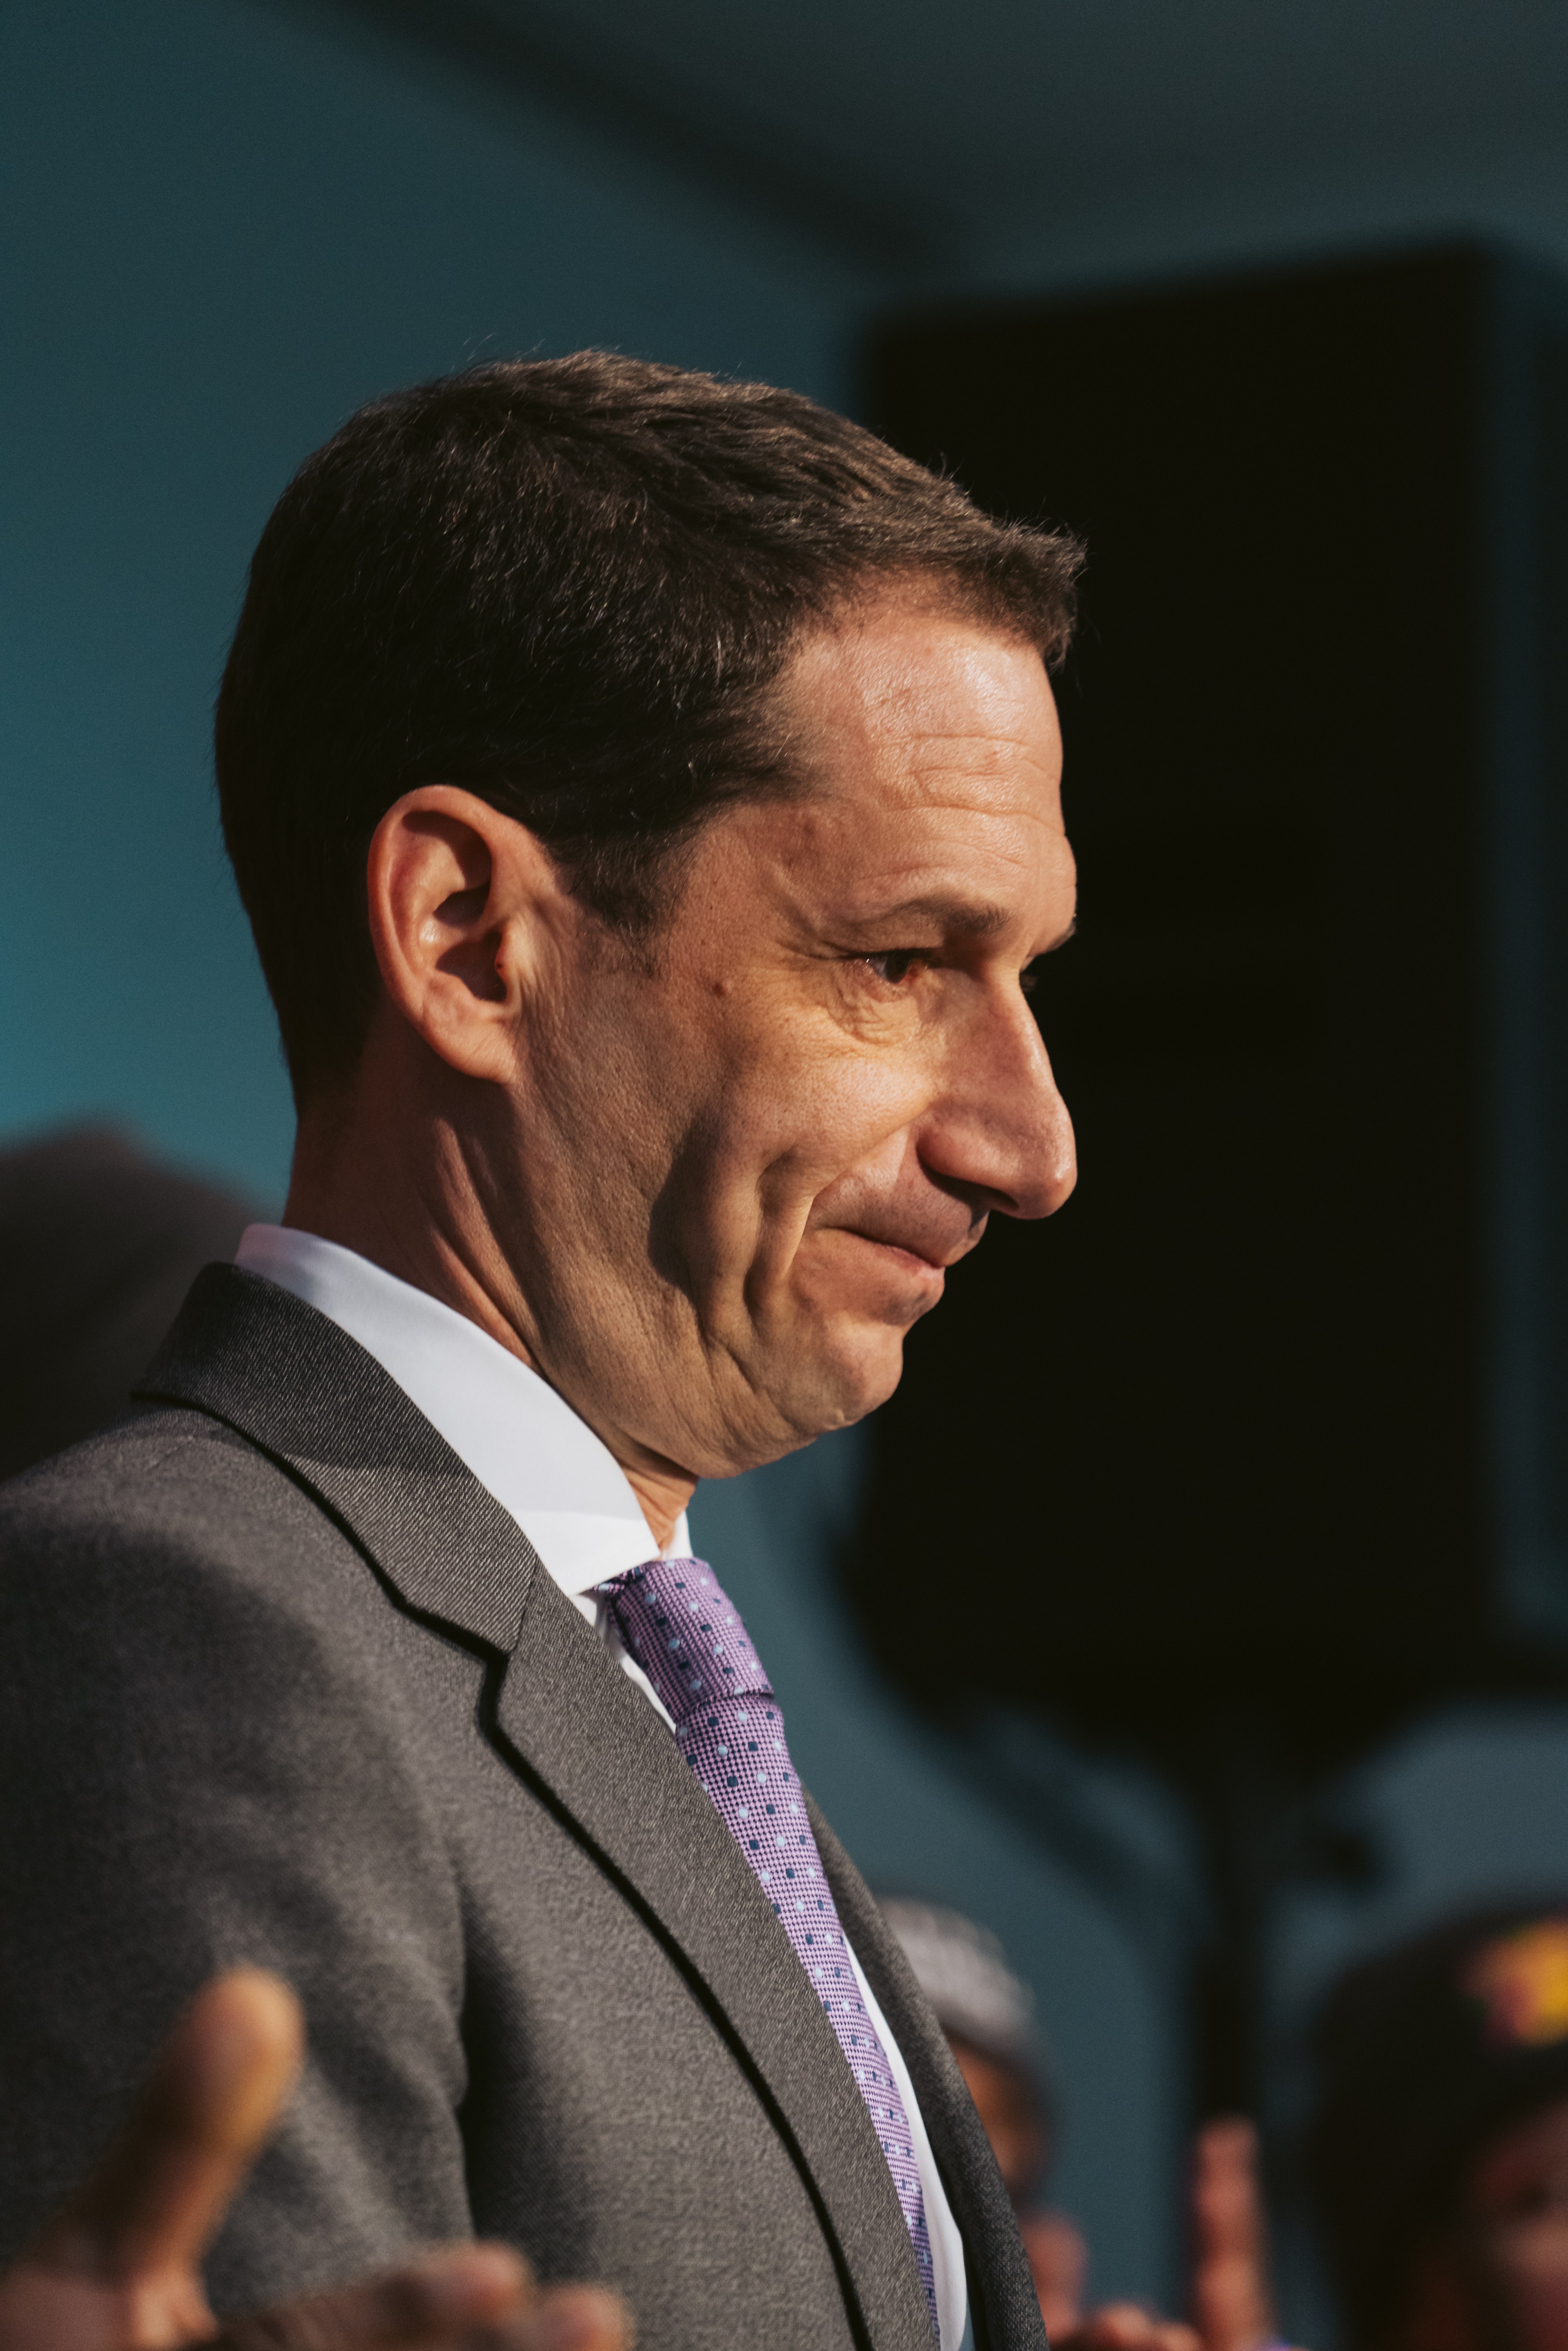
[927, 758]
[898, 701]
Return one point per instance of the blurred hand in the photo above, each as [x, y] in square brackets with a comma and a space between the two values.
[1231, 2305]
[119, 2268]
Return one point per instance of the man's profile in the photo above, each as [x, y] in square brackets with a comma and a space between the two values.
[645, 791]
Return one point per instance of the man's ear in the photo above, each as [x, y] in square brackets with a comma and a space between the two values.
[466, 910]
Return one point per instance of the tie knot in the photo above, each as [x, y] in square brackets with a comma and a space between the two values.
[684, 1634]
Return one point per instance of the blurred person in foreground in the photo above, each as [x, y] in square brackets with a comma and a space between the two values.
[644, 790]
[1439, 2149]
[99, 1244]
[987, 2015]
[118, 2268]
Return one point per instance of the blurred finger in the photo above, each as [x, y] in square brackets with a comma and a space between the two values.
[448, 2295]
[458, 2298]
[1226, 2209]
[1128, 2326]
[574, 2318]
[216, 2090]
[1120, 2326]
[1231, 2304]
[1059, 2263]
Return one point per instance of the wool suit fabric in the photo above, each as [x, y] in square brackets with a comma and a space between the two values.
[282, 1684]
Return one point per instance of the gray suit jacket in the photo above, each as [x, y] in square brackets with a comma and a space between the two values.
[281, 1682]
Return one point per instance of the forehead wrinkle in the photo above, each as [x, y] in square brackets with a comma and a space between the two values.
[999, 795]
[898, 748]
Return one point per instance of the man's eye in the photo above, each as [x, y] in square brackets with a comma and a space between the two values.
[894, 963]
[1031, 975]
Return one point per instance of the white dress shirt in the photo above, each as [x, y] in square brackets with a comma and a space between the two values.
[570, 1497]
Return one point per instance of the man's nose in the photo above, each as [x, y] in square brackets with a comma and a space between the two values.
[1000, 1131]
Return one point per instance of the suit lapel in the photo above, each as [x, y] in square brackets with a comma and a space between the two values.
[292, 1383]
[289, 1380]
[1003, 2301]
[575, 1722]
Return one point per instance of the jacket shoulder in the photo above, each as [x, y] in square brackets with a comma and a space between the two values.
[165, 1497]
[220, 1746]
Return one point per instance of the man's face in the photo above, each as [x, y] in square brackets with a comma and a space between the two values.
[750, 1156]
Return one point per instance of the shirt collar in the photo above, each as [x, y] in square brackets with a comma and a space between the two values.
[520, 1438]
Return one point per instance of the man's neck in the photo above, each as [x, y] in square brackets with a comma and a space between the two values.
[420, 1234]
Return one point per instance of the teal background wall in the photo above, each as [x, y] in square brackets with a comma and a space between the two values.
[226, 230]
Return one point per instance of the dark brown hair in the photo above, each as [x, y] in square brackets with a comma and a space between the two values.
[564, 585]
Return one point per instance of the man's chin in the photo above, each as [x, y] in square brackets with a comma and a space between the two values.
[804, 1374]
[855, 1375]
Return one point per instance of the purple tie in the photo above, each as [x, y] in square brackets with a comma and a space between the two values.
[693, 1646]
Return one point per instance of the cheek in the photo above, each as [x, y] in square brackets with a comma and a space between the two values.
[785, 1116]
[804, 1124]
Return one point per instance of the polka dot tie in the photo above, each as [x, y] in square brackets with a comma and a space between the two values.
[686, 1636]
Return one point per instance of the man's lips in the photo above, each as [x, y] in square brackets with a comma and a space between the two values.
[927, 1254]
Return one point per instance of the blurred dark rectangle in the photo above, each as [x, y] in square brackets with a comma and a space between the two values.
[1264, 1426]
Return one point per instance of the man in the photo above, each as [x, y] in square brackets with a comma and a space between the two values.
[117, 2269]
[1441, 2144]
[645, 792]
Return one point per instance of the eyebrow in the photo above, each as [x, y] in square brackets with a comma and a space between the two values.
[974, 918]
